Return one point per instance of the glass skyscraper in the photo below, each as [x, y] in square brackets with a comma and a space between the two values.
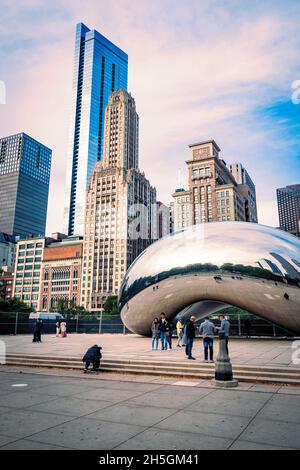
[25, 166]
[288, 202]
[100, 67]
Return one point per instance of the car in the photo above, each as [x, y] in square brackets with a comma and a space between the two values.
[46, 316]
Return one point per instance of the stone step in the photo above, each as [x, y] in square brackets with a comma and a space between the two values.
[162, 370]
[158, 367]
[185, 364]
[187, 375]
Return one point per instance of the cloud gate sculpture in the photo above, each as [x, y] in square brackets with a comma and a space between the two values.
[251, 266]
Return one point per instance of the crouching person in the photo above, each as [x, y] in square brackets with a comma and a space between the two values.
[93, 355]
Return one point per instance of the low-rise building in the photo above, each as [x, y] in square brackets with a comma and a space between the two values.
[6, 283]
[48, 269]
[61, 273]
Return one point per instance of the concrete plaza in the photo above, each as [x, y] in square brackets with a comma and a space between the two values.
[45, 410]
[64, 409]
[263, 352]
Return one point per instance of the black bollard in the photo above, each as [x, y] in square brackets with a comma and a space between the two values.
[223, 368]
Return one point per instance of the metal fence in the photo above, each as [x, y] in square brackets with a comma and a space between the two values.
[19, 323]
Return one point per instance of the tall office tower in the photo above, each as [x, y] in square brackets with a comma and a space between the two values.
[120, 220]
[288, 202]
[247, 189]
[181, 209]
[100, 67]
[163, 220]
[24, 185]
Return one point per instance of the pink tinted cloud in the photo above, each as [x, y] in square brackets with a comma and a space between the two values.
[190, 81]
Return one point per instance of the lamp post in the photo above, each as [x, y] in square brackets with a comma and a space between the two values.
[223, 367]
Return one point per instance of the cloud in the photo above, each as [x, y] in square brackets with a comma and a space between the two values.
[196, 69]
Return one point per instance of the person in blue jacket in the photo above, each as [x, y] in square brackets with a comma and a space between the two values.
[93, 355]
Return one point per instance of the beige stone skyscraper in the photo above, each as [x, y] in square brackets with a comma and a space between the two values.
[213, 194]
[120, 217]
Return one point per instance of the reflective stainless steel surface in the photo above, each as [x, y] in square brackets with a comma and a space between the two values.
[250, 266]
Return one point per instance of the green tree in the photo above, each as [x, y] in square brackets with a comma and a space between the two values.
[14, 305]
[234, 312]
[111, 305]
[68, 307]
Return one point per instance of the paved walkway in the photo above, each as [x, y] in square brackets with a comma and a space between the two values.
[42, 410]
[265, 352]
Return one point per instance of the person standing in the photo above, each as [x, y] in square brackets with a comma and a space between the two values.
[184, 336]
[57, 328]
[155, 333]
[179, 328]
[37, 332]
[248, 327]
[207, 329]
[63, 329]
[225, 327]
[169, 334]
[163, 325]
[190, 336]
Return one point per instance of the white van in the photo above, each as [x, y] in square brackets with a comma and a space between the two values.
[46, 316]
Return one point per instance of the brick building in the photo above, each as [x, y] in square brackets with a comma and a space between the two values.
[61, 273]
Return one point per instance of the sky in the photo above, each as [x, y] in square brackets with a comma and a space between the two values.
[198, 69]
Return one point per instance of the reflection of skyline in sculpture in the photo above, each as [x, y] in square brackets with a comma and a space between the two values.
[289, 269]
[233, 250]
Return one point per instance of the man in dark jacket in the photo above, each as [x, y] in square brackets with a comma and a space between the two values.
[37, 331]
[93, 355]
[190, 336]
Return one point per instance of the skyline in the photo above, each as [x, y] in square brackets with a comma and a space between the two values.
[238, 90]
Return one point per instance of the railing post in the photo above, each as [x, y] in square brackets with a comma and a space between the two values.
[77, 323]
[100, 323]
[16, 323]
[124, 329]
[274, 329]
[239, 323]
